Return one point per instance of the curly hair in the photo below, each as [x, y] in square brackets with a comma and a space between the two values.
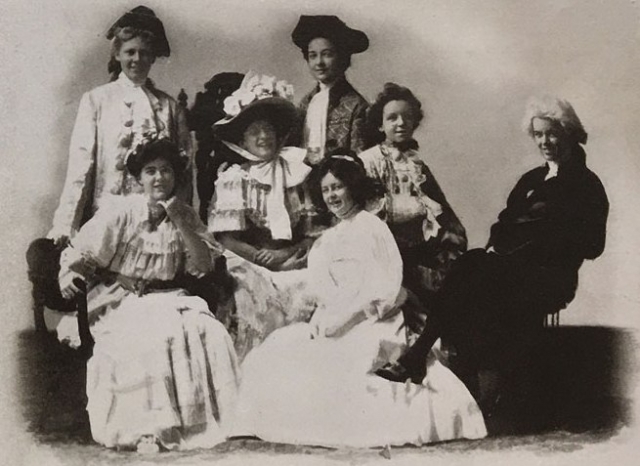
[154, 150]
[122, 35]
[390, 92]
[348, 168]
[556, 110]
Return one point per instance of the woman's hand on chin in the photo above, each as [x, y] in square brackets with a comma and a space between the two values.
[178, 212]
[169, 205]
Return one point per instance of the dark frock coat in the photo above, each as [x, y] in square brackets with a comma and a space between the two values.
[492, 303]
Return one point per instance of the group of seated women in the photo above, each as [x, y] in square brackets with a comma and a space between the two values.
[341, 257]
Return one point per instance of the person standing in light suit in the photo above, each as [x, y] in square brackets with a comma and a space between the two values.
[113, 118]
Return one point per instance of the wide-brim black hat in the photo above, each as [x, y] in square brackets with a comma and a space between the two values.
[144, 18]
[332, 28]
[225, 80]
[281, 113]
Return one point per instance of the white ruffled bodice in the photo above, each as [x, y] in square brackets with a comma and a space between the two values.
[270, 194]
[120, 238]
[402, 175]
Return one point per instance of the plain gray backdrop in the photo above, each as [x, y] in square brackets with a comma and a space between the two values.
[472, 64]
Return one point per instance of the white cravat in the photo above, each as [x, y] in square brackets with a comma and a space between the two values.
[283, 171]
[553, 170]
[315, 127]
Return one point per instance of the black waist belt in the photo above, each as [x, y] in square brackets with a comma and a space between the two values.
[147, 286]
[215, 286]
[141, 286]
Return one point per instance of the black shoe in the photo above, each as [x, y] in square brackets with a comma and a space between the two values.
[396, 372]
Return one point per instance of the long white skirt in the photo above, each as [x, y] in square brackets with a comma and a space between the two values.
[321, 392]
[162, 365]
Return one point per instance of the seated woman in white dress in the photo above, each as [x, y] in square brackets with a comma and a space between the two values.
[112, 119]
[259, 206]
[312, 383]
[163, 373]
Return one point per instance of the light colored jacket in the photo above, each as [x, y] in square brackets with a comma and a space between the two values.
[110, 119]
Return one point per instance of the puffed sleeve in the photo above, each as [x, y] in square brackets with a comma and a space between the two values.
[96, 243]
[368, 273]
[77, 188]
[230, 203]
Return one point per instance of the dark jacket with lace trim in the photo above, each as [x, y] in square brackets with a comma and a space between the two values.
[345, 117]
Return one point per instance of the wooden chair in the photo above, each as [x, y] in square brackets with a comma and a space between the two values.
[551, 320]
[43, 255]
[43, 261]
[211, 153]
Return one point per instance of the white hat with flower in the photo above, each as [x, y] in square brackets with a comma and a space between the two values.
[259, 97]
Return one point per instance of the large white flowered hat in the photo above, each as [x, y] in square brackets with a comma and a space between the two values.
[259, 97]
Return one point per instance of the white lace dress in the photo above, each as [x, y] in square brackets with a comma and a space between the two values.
[321, 391]
[162, 364]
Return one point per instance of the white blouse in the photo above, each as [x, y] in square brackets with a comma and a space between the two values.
[120, 238]
[355, 265]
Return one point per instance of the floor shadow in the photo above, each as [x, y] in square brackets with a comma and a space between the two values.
[52, 389]
[576, 382]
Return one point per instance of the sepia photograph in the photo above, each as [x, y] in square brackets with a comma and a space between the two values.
[316, 232]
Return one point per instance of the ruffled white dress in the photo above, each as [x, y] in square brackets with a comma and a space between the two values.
[321, 391]
[162, 364]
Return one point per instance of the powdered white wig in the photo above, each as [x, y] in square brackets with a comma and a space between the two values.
[558, 110]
